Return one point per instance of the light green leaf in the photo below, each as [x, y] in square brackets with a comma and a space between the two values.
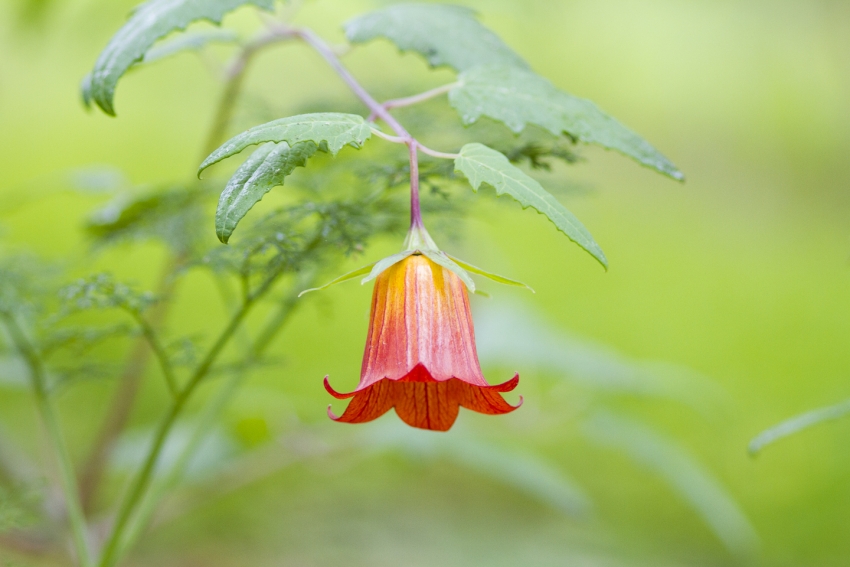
[481, 164]
[797, 424]
[342, 278]
[693, 482]
[267, 167]
[494, 277]
[445, 35]
[521, 470]
[149, 22]
[333, 128]
[443, 260]
[382, 265]
[513, 335]
[518, 97]
[189, 42]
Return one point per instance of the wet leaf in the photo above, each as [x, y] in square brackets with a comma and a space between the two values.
[332, 128]
[267, 168]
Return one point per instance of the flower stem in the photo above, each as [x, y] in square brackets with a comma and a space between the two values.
[381, 111]
[67, 478]
[415, 209]
[373, 105]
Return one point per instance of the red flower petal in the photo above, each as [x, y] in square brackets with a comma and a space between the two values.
[420, 353]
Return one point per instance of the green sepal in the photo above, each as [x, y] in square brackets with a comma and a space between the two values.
[383, 265]
[443, 260]
[340, 279]
[418, 240]
[495, 277]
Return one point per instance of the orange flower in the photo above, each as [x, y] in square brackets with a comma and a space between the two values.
[420, 353]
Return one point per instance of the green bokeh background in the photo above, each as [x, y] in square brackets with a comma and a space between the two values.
[740, 275]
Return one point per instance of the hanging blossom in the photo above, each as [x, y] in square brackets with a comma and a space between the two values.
[420, 355]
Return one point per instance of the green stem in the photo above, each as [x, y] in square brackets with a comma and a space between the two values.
[143, 478]
[159, 352]
[209, 415]
[67, 478]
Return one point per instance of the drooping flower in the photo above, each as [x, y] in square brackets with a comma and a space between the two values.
[420, 352]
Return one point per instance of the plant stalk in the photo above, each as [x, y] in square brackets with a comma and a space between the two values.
[67, 478]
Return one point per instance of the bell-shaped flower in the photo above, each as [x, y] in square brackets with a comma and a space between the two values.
[420, 352]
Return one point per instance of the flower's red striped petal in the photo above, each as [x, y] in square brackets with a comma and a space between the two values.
[426, 404]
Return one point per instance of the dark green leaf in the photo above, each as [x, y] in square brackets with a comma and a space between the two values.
[443, 34]
[335, 129]
[267, 167]
[518, 97]
[481, 164]
[149, 22]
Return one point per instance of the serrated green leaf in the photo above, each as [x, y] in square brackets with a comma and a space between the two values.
[189, 42]
[382, 265]
[441, 259]
[495, 277]
[481, 164]
[444, 34]
[519, 96]
[343, 278]
[149, 22]
[333, 128]
[267, 168]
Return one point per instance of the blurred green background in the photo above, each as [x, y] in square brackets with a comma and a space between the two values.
[726, 307]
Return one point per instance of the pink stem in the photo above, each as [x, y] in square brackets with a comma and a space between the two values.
[415, 210]
[377, 109]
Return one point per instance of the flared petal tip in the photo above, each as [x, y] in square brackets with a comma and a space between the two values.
[334, 417]
[508, 386]
[336, 394]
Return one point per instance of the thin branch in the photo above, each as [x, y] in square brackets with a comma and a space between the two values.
[435, 153]
[328, 54]
[425, 149]
[159, 351]
[142, 480]
[416, 99]
[68, 481]
[211, 412]
[393, 139]
[128, 386]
